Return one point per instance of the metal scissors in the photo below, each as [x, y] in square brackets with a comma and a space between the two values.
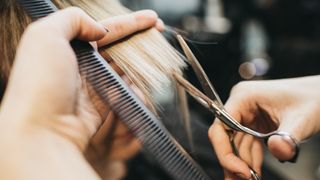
[211, 101]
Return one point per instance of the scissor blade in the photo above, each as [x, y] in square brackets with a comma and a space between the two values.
[201, 75]
[194, 92]
[208, 103]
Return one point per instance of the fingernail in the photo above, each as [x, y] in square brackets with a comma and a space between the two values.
[294, 145]
[160, 25]
[103, 28]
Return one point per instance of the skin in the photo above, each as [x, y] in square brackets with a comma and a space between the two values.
[48, 115]
[287, 105]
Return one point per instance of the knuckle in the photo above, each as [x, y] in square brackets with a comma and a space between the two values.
[74, 11]
[119, 29]
[136, 22]
[239, 86]
[76, 14]
[242, 88]
[76, 17]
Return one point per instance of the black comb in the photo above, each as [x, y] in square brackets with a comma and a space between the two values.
[154, 137]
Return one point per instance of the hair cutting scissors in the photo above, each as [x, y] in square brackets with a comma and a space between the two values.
[212, 101]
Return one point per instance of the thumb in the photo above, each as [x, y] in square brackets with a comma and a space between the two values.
[284, 147]
[285, 144]
[45, 73]
[296, 124]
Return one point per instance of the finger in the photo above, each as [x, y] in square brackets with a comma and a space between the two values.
[220, 140]
[71, 23]
[160, 25]
[245, 148]
[284, 147]
[122, 26]
[101, 134]
[238, 138]
[257, 156]
[242, 104]
[231, 176]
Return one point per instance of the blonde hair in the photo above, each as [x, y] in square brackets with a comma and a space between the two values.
[146, 57]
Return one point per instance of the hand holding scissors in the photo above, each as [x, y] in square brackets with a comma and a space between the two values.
[212, 102]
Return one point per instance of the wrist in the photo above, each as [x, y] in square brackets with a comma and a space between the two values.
[28, 152]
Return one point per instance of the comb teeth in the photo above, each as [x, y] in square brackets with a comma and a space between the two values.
[38, 8]
[155, 139]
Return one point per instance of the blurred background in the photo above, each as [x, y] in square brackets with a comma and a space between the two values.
[238, 40]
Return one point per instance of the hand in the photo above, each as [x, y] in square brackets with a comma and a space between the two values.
[47, 113]
[288, 105]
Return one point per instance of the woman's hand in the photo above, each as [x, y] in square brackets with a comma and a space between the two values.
[288, 105]
[47, 116]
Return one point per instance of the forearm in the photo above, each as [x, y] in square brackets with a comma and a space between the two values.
[35, 154]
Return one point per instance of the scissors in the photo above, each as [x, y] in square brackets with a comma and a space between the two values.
[211, 101]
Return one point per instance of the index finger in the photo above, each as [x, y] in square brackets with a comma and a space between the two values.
[221, 144]
[124, 25]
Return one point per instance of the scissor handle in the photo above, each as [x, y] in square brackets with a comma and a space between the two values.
[235, 125]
